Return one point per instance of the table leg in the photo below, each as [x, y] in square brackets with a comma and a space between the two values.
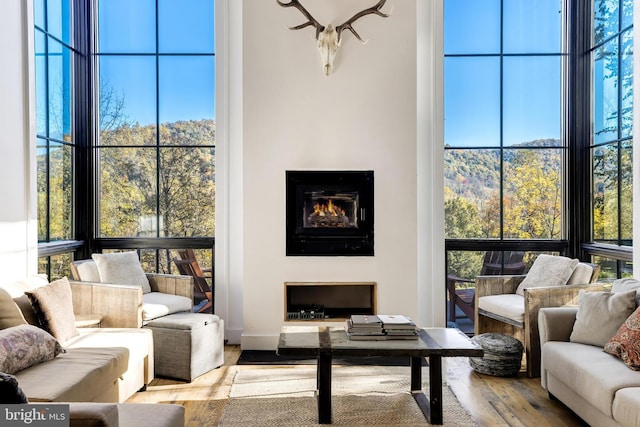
[416, 374]
[435, 389]
[324, 387]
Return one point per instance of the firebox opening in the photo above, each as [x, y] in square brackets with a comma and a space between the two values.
[329, 213]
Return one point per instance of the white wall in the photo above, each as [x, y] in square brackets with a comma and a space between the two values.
[364, 116]
[18, 238]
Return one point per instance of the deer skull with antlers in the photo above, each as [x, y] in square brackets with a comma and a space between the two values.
[328, 37]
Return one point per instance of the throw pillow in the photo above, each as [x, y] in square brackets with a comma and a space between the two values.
[10, 391]
[122, 268]
[548, 270]
[24, 346]
[625, 344]
[56, 307]
[599, 316]
[627, 284]
[10, 314]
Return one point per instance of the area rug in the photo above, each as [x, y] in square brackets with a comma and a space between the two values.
[361, 396]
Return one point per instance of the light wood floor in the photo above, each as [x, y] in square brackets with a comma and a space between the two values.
[492, 401]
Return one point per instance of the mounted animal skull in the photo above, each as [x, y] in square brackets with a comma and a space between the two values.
[329, 38]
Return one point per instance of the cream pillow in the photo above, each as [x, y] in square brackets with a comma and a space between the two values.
[600, 315]
[627, 284]
[54, 305]
[10, 314]
[88, 271]
[548, 270]
[122, 268]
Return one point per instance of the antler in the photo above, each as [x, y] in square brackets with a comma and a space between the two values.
[372, 10]
[310, 19]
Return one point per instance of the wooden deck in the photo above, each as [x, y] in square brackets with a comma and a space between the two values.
[492, 401]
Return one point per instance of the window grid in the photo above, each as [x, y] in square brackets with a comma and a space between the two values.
[623, 135]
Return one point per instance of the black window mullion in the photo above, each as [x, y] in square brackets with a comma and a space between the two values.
[158, 158]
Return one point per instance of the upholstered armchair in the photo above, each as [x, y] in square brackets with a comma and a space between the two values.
[510, 304]
[123, 294]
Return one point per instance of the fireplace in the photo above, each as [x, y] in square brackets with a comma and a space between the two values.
[329, 213]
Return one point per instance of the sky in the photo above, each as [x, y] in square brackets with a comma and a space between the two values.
[528, 88]
[528, 85]
[185, 79]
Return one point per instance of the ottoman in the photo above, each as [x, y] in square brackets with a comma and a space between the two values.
[186, 345]
[502, 355]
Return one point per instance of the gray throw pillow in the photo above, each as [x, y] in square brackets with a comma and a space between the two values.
[122, 268]
[600, 315]
[26, 346]
[548, 270]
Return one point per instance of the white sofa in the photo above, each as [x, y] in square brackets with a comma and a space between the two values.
[597, 386]
[99, 364]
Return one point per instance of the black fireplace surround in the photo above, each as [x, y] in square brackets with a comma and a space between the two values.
[329, 213]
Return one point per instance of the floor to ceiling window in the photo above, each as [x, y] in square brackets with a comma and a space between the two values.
[156, 146]
[504, 147]
[531, 88]
[55, 56]
[611, 60]
[126, 129]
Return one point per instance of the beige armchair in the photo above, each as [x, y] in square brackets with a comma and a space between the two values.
[126, 306]
[501, 310]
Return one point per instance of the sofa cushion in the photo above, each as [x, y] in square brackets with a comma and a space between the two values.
[87, 270]
[55, 307]
[10, 314]
[625, 406]
[581, 274]
[510, 306]
[157, 304]
[138, 341]
[599, 316]
[139, 414]
[10, 391]
[79, 375]
[122, 268]
[590, 372]
[627, 284]
[89, 414]
[17, 289]
[625, 344]
[23, 346]
[548, 270]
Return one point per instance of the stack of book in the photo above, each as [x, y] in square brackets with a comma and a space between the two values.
[398, 327]
[364, 327]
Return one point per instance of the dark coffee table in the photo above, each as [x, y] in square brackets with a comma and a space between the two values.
[325, 342]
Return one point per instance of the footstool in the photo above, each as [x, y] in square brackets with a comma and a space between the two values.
[502, 355]
[186, 345]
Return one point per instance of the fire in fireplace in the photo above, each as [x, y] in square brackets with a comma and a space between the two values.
[340, 210]
[329, 212]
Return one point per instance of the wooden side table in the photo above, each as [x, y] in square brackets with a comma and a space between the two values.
[88, 320]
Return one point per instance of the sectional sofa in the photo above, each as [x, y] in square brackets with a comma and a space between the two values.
[598, 386]
[91, 365]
